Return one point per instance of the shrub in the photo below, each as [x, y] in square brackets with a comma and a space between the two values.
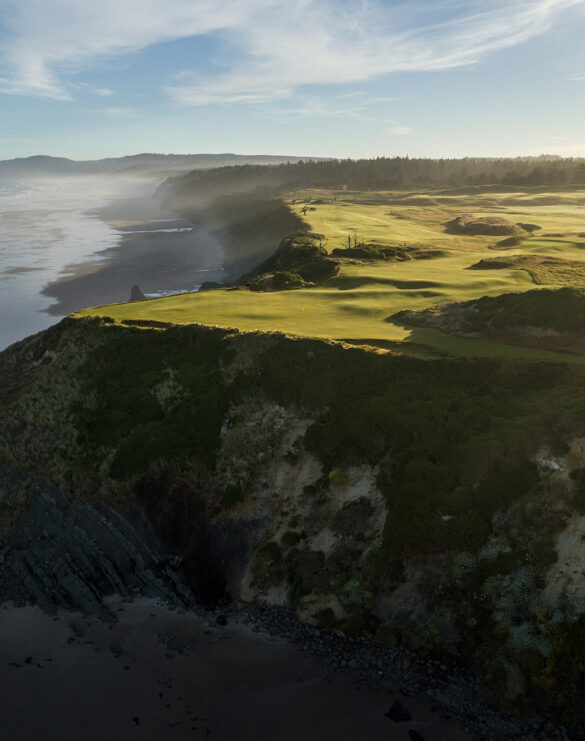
[337, 477]
[231, 496]
[286, 279]
[388, 634]
[326, 618]
[267, 565]
[291, 538]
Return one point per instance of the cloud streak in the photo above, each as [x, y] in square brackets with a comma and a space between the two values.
[322, 44]
[44, 41]
[116, 112]
[270, 49]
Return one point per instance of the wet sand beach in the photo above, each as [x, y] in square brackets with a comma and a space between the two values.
[159, 251]
[77, 242]
[166, 674]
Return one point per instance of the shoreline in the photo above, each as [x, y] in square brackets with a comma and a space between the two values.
[158, 250]
[245, 673]
[163, 672]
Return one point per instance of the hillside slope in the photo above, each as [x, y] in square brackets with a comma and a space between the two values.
[431, 504]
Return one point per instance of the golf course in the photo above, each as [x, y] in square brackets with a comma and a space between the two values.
[360, 302]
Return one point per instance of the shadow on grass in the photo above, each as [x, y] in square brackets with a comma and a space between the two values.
[404, 348]
[436, 341]
[347, 283]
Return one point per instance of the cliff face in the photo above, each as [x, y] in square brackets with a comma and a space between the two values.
[428, 503]
[248, 218]
[70, 554]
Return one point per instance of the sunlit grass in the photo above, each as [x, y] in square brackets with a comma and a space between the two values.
[357, 303]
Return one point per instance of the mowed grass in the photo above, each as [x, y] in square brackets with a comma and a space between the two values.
[419, 218]
[374, 217]
[356, 305]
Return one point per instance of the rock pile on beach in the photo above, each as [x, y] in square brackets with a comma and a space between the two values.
[450, 685]
[71, 554]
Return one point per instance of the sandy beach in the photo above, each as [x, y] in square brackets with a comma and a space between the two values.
[169, 674]
[158, 250]
[71, 243]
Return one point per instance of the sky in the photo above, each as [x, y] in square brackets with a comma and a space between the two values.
[333, 78]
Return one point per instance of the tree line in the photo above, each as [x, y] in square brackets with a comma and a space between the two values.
[383, 173]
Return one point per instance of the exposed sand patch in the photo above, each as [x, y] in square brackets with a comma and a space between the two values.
[560, 467]
[286, 498]
[567, 576]
[325, 541]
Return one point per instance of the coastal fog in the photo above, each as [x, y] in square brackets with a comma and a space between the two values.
[68, 242]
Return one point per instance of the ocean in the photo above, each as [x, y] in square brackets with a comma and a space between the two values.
[44, 227]
[51, 231]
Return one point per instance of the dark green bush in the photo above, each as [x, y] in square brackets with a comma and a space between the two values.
[286, 280]
[291, 538]
[231, 496]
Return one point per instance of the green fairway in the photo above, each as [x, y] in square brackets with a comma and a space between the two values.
[356, 304]
[420, 217]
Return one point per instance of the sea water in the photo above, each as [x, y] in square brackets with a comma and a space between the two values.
[49, 228]
[44, 226]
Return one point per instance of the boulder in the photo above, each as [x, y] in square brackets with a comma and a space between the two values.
[136, 294]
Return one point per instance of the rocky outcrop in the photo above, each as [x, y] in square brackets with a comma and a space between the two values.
[70, 554]
[136, 294]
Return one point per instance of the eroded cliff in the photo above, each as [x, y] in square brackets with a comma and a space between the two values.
[434, 504]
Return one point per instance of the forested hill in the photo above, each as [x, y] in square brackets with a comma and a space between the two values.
[383, 172]
[136, 164]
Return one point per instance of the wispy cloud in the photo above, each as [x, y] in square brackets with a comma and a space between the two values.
[103, 92]
[271, 49]
[353, 42]
[344, 106]
[45, 41]
[116, 112]
[400, 130]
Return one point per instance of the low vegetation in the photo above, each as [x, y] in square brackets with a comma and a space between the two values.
[488, 225]
[300, 260]
[158, 416]
[543, 270]
[549, 318]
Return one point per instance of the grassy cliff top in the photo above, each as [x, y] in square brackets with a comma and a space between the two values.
[357, 302]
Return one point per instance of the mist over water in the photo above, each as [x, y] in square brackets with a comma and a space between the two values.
[44, 227]
[51, 230]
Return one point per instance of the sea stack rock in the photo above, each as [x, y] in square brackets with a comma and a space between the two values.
[136, 294]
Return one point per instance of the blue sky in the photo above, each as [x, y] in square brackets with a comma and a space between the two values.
[364, 78]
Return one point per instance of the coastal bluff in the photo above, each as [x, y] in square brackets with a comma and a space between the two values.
[371, 493]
